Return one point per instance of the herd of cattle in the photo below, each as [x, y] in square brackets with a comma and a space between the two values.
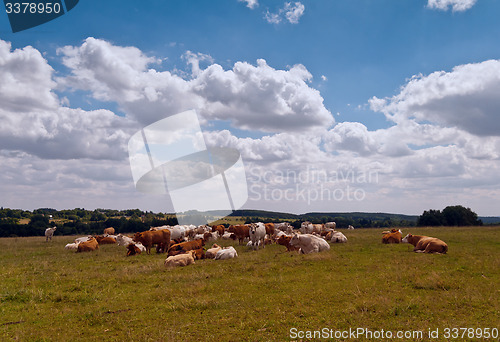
[185, 243]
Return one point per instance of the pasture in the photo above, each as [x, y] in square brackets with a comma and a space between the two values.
[51, 294]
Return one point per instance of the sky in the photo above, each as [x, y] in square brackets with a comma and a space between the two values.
[335, 106]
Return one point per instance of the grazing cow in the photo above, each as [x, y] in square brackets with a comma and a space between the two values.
[241, 232]
[185, 247]
[257, 234]
[309, 243]
[393, 237]
[210, 253]
[331, 225]
[72, 246]
[426, 244]
[132, 249]
[109, 231]
[88, 246]
[338, 237]
[49, 232]
[180, 259]
[149, 238]
[284, 240]
[123, 240]
[105, 240]
[226, 253]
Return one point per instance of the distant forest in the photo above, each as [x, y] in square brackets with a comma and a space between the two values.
[79, 221]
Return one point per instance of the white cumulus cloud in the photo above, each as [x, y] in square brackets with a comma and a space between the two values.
[456, 5]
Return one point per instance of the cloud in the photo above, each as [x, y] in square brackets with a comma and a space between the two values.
[456, 5]
[290, 11]
[466, 98]
[252, 4]
[254, 97]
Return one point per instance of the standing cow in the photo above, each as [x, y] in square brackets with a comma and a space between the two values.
[257, 234]
[148, 238]
[49, 232]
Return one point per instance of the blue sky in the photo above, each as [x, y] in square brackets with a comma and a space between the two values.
[370, 65]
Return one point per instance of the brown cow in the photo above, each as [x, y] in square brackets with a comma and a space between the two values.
[109, 231]
[105, 240]
[284, 240]
[269, 228]
[426, 244]
[133, 249]
[393, 237]
[241, 232]
[149, 238]
[219, 228]
[184, 247]
[88, 246]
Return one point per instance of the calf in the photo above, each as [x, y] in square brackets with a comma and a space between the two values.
[132, 249]
[426, 244]
[284, 240]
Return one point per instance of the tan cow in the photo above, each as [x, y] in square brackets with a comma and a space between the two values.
[105, 240]
[180, 259]
[211, 252]
[393, 237]
[109, 231]
[426, 244]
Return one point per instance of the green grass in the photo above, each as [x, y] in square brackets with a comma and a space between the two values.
[50, 294]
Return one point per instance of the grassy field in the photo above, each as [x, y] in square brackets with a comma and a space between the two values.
[51, 294]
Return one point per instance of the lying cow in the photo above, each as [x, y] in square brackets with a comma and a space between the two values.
[426, 244]
[184, 247]
[337, 237]
[284, 240]
[88, 246]
[109, 231]
[212, 252]
[180, 259]
[393, 237]
[105, 240]
[132, 249]
[309, 243]
[226, 253]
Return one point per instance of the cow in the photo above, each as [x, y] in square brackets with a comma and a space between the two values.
[331, 225]
[149, 238]
[337, 237]
[226, 253]
[241, 232]
[269, 228]
[184, 247]
[83, 239]
[49, 232]
[309, 228]
[426, 244]
[284, 227]
[132, 249]
[109, 231]
[350, 227]
[105, 240]
[393, 237]
[219, 229]
[88, 246]
[180, 259]
[309, 243]
[257, 234]
[123, 240]
[284, 240]
[211, 252]
[72, 246]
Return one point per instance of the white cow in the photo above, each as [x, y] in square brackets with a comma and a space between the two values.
[257, 234]
[123, 240]
[309, 243]
[72, 246]
[284, 227]
[226, 253]
[83, 239]
[177, 232]
[309, 228]
[331, 225]
[338, 237]
[212, 252]
[350, 227]
[49, 232]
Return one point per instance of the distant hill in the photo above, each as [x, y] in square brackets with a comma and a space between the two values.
[489, 219]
